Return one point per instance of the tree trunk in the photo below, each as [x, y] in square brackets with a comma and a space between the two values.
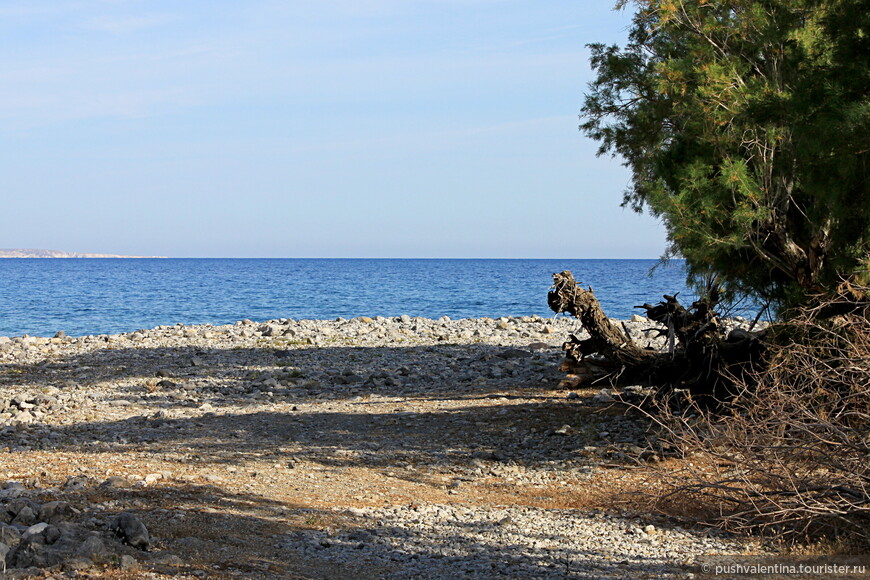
[606, 339]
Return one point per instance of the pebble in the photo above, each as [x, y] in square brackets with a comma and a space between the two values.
[93, 549]
[115, 481]
[564, 430]
[34, 530]
[77, 563]
[201, 371]
[603, 396]
[431, 541]
[131, 531]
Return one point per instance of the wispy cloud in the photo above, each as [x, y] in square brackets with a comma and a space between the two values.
[127, 24]
[121, 59]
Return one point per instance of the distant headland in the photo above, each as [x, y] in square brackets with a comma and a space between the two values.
[26, 253]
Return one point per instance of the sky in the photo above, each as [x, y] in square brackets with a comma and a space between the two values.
[332, 128]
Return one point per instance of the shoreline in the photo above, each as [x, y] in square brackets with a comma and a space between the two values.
[287, 332]
[444, 327]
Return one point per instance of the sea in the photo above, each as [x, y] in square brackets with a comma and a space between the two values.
[95, 296]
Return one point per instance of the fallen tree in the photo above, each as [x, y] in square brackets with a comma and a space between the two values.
[702, 357]
[789, 457]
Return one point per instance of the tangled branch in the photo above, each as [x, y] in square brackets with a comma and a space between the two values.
[793, 456]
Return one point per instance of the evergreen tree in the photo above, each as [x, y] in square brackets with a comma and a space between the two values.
[746, 125]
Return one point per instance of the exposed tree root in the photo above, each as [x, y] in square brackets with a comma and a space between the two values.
[700, 357]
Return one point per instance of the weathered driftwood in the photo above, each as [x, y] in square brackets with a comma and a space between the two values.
[699, 357]
[605, 338]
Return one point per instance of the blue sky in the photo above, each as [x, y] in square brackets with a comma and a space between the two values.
[335, 128]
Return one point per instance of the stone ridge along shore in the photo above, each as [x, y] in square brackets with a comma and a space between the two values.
[363, 448]
[26, 253]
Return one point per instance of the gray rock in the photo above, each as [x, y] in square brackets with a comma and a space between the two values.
[603, 396]
[131, 531]
[167, 560]
[33, 552]
[4, 550]
[46, 400]
[26, 516]
[93, 549]
[269, 330]
[77, 563]
[34, 530]
[75, 483]
[115, 481]
[13, 489]
[24, 418]
[22, 398]
[52, 534]
[9, 535]
[564, 430]
[361, 536]
[512, 353]
[128, 562]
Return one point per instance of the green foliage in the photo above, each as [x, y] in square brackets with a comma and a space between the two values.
[746, 124]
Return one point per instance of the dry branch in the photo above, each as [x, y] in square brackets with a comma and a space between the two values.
[697, 354]
[798, 442]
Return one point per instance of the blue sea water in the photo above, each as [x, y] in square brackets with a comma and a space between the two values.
[106, 296]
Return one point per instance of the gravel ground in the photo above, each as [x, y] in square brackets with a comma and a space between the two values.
[363, 448]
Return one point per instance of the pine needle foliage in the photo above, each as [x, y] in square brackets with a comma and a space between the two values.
[746, 125]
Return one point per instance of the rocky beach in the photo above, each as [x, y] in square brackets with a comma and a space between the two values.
[362, 448]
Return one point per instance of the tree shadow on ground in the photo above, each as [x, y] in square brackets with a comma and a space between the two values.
[489, 411]
[225, 534]
[325, 372]
[233, 403]
[519, 434]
